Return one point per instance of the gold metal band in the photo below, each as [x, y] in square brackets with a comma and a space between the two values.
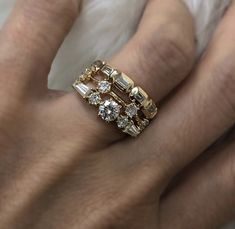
[117, 97]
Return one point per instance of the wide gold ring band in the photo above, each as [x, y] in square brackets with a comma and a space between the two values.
[118, 99]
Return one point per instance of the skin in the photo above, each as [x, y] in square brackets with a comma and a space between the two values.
[61, 167]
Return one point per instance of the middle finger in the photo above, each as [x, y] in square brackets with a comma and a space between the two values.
[201, 111]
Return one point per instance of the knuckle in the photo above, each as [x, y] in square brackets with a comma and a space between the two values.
[168, 51]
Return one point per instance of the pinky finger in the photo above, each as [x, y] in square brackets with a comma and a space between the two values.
[206, 197]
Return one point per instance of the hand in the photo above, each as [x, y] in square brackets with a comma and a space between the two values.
[61, 167]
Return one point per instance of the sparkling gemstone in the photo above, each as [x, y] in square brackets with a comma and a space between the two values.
[139, 95]
[132, 130]
[109, 110]
[107, 70]
[115, 74]
[131, 110]
[122, 121]
[104, 86]
[121, 81]
[82, 89]
[94, 98]
[150, 109]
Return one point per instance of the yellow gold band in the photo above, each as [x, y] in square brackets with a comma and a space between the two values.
[117, 97]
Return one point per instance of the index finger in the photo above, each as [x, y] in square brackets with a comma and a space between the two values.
[31, 37]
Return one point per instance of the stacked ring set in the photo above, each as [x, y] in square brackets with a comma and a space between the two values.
[117, 98]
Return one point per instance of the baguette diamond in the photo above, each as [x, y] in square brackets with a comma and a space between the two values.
[139, 95]
[107, 70]
[150, 109]
[82, 89]
[122, 82]
[116, 97]
[132, 130]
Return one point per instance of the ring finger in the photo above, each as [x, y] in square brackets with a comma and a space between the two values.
[158, 58]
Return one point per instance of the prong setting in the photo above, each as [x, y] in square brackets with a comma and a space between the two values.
[131, 116]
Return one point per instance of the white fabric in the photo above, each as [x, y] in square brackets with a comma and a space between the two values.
[113, 23]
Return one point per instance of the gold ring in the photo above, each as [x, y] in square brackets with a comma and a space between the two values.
[118, 99]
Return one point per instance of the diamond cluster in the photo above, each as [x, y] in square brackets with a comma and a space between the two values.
[131, 116]
[109, 110]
